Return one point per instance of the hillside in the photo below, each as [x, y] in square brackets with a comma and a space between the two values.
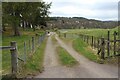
[78, 22]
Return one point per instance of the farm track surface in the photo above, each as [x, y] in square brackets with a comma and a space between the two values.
[85, 69]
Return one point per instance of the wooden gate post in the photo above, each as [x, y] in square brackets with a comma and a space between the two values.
[13, 51]
[102, 48]
[115, 33]
[108, 44]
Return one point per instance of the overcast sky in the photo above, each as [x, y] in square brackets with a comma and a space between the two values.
[92, 9]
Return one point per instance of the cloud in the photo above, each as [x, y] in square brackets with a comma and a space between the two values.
[94, 9]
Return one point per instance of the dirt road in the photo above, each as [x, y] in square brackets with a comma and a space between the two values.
[85, 69]
[52, 67]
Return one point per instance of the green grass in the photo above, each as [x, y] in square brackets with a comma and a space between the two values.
[84, 49]
[7, 38]
[34, 64]
[91, 32]
[65, 58]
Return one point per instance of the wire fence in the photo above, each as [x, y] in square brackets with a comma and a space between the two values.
[21, 53]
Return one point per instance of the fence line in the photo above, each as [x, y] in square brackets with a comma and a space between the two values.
[106, 47]
[15, 57]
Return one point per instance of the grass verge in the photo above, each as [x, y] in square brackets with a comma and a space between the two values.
[65, 58]
[81, 47]
[7, 37]
[34, 64]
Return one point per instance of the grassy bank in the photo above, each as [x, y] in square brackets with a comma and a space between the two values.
[65, 58]
[81, 47]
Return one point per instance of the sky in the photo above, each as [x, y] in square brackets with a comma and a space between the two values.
[92, 9]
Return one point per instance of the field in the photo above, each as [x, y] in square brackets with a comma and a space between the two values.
[91, 32]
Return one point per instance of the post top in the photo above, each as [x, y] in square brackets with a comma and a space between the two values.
[13, 41]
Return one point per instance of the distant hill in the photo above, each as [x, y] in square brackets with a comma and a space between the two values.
[79, 22]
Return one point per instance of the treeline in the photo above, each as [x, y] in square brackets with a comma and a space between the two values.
[80, 22]
[24, 14]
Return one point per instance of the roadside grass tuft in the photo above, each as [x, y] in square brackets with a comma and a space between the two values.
[65, 58]
[81, 47]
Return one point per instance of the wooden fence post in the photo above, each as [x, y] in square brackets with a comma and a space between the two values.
[29, 46]
[115, 33]
[35, 41]
[84, 38]
[98, 42]
[39, 39]
[64, 35]
[59, 34]
[92, 42]
[87, 39]
[108, 44]
[102, 48]
[33, 44]
[24, 52]
[14, 58]
[42, 37]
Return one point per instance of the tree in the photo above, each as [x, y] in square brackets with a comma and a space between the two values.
[41, 11]
[28, 13]
[12, 10]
